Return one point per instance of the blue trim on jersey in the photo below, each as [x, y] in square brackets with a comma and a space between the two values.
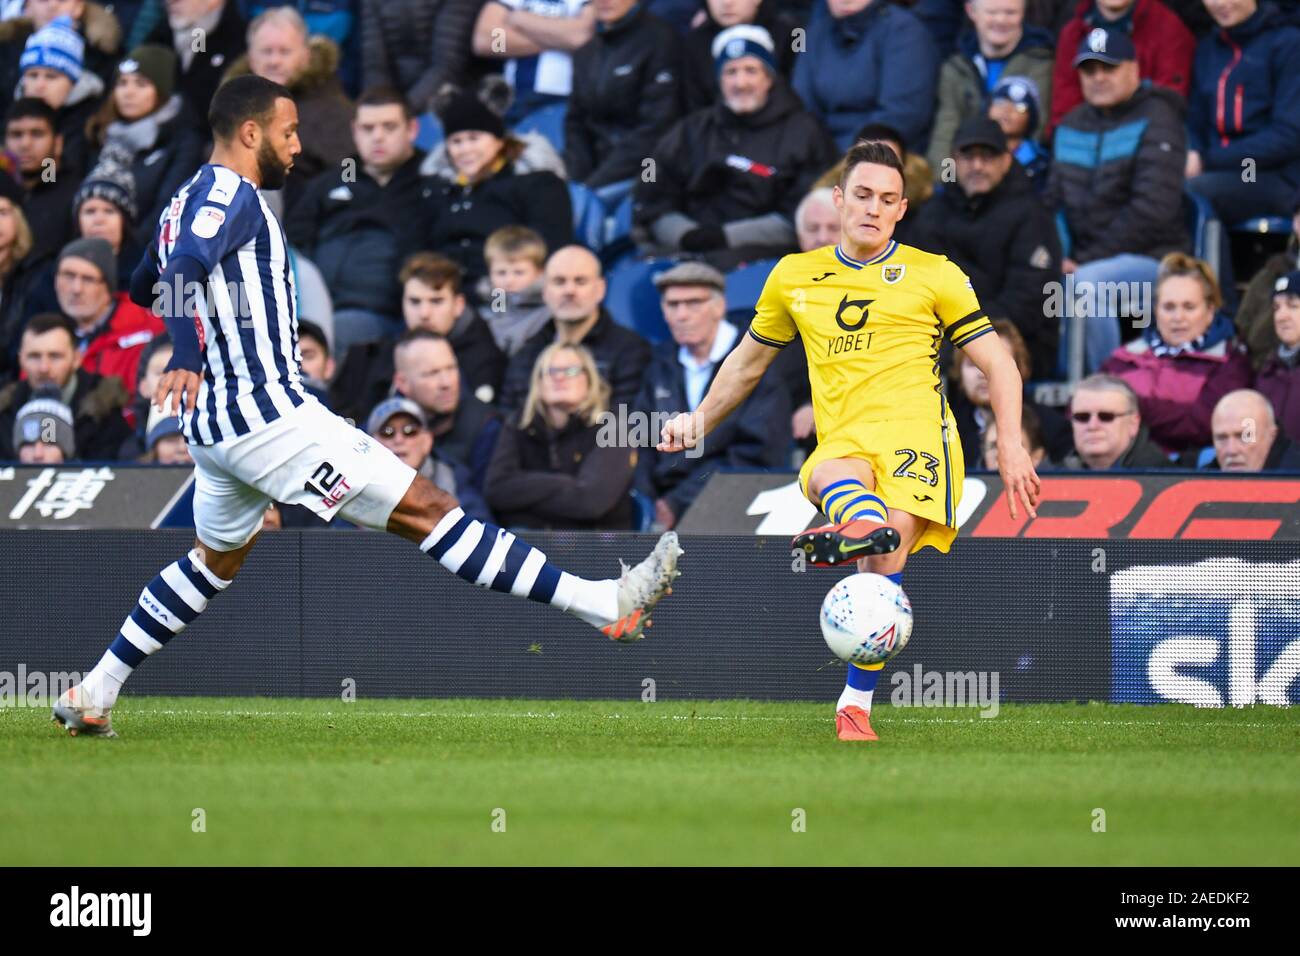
[966, 342]
[947, 474]
[852, 263]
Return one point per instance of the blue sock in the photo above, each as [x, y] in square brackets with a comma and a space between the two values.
[848, 499]
[860, 681]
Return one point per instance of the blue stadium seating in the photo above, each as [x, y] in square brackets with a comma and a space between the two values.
[1264, 225]
[744, 286]
[588, 217]
[429, 137]
[633, 300]
[618, 231]
[547, 120]
[643, 510]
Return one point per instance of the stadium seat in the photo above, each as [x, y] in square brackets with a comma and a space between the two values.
[744, 285]
[1264, 225]
[1205, 457]
[429, 136]
[633, 300]
[618, 232]
[611, 194]
[643, 510]
[588, 217]
[549, 121]
[1204, 228]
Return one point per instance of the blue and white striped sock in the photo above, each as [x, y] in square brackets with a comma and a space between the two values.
[173, 599]
[860, 682]
[491, 557]
[848, 500]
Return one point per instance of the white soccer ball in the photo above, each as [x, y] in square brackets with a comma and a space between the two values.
[866, 619]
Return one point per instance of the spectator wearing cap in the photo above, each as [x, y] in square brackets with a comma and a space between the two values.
[1117, 159]
[1254, 318]
[868, 61]
[464, 427]
[43, 433]
[95, 23]
[164, 441]
[1244, 110]
[699, 71]
[555, 465]
[433, 301]
[729, 177]
[145, 124]
[416, 46]
[626, 94]
[1186, 360]
[1000, 45]
[1162, 43]
[200, 66]
[111, 330]
[574, 292]
[994, 226]
[487, 186]
[1279, 378]
[756, 435]
[535, 43]
[47, 357]
[53, 70]
[357, 224]
[280, 50]
[32, 137]
[18, 271]
[1247, 438]
[1109, 434]
[399, 425]
[1015, 106]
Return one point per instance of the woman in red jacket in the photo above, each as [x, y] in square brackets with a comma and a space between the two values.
[1187, 361]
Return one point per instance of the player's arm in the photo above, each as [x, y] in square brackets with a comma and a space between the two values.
[165, 293]
[738, 376]
[1005, 391]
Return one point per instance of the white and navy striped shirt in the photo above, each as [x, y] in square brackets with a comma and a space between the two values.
[247, 321]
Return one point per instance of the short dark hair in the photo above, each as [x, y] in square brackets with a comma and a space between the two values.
[44, 322]
[881, 133]
[875, 153]
[29, 107]
[383, 96]
[434, 270]
[241, 99]
[310, 330]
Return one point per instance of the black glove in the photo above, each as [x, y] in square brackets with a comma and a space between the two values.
[704, 238]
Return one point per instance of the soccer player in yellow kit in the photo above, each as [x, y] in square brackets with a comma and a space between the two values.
[888, 466]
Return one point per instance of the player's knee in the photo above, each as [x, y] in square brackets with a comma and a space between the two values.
[891, 563]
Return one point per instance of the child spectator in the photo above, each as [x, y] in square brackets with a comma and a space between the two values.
[511, 293]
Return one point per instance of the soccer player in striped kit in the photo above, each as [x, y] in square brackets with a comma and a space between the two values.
[219, 272]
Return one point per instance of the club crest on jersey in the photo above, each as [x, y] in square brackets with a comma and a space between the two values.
[892, 274]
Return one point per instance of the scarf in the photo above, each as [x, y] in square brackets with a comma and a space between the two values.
[1220, 330]
[142, 134]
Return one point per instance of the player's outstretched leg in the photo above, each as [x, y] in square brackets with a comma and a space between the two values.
[492, 557]
[859, 526]
[173, 599]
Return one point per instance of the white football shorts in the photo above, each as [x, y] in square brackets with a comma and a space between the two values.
[309, 457]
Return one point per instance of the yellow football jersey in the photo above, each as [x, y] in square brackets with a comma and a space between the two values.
[871, 330]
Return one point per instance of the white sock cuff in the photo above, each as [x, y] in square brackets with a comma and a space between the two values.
[115, 667]
[219, 583]
[441, 528]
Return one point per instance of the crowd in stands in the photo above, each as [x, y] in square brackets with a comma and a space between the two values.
[516, 224]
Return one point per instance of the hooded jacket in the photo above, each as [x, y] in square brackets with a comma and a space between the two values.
[1118, 176]
[720, 168]
[1245, 97]
[115, 348]
[963, 82]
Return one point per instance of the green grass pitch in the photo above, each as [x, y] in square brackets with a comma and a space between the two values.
[423, 782]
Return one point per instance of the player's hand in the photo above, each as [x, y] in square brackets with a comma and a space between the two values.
[802, 422]
[177, 382]
[1019, 478]
[679, 433]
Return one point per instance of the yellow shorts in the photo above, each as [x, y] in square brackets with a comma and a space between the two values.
[918, 467]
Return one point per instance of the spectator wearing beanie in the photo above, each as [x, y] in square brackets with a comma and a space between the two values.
[1163, 43]
[626, 93]
[146, 124]
[199, 72]
[729, 176]
[111, 330]
[486, 186]
[98, 27]
[1016, 107]
[699, 72]
[868, 61]
[1254, 317]
[280, 49]
[43, 433]
[103, 208]
[53, 70]
[1279, 379]
[999, 46]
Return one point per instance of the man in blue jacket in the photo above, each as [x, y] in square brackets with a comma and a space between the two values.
[679, 374]
[1243, 123]
[868, 61]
